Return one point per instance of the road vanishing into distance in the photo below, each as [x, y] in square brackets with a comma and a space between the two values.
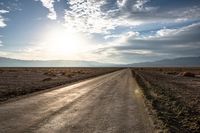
[111, 103]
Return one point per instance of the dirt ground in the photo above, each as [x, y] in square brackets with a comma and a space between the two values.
[173, 99]
[20, 81]
[110, 103]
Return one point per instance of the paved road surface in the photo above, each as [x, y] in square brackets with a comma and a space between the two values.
[110, 103]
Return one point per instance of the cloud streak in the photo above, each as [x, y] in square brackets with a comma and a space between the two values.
[2, 19]
[49, 4]
[2, 22]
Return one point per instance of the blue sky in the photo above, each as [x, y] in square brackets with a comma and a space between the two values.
[116, 31]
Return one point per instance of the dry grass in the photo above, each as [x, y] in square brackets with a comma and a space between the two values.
[187, 74]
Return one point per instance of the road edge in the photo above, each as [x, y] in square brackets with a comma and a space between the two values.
[53, 88]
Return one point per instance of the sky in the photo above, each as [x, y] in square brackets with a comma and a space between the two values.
[108, 31]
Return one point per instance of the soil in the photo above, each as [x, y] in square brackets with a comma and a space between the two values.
[174, 100]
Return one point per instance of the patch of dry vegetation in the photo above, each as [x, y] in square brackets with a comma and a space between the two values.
[187, 74]
[174, 101]
[20, 81]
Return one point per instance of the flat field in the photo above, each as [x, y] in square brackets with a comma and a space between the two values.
[20, 81]
[172, 96]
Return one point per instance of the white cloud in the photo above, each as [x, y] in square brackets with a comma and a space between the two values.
[162, 33]
[111, 36]
[121, 3]
[49, 4]
[121, 39]
[178, 33]
[2, 19]
[2, 22]
[179, 20]
[135, 5]
[87, 16]
[139, 52]
[140, 6]
[3, 11]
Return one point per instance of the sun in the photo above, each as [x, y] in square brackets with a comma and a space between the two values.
[63, 41]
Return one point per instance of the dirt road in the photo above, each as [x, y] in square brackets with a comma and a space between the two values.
[110, 103]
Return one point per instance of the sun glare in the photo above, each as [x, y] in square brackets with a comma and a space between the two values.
[64, 42]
